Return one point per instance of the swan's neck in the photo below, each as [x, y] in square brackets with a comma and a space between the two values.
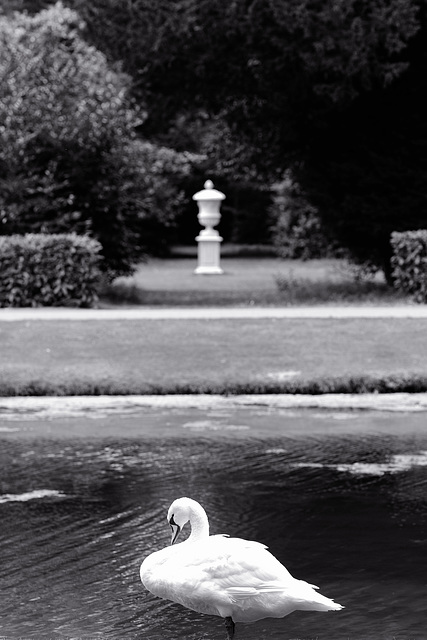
[199, 524]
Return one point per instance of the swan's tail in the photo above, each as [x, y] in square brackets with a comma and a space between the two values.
[313, 601]
[303, 596]
[319, 603]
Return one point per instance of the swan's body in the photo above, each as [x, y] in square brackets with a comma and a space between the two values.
[236, 579]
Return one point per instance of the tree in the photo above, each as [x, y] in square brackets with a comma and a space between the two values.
[326, 87]
[69, 156]
[257, 62]
[366, 169]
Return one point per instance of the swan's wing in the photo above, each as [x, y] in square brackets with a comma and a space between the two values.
[244, 566]
[246, 569]
[239, 564]
[241, 593]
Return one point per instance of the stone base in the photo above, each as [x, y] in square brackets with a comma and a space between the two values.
[208, 254]
[212, 271]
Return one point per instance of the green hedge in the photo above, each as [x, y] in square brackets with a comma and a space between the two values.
[48, 270]
[409, 263]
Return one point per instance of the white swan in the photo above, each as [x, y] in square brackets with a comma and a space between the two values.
[236, 579]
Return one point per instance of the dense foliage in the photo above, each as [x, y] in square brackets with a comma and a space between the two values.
[366, 171]
[298, 231]
[409, 263]
[48, 270]
[278, 56]
[333, 89]
[69, 156]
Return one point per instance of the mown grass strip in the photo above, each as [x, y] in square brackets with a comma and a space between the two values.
[213, 356]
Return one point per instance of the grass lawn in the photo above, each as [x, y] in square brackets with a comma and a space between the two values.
[249, 281]
[222, 356]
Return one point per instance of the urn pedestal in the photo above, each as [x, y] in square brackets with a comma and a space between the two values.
[208, 240]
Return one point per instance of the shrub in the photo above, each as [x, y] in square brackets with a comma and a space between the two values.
[48, 270]
[157, 186]
[70, 158]
[298, 232]
[409, 263]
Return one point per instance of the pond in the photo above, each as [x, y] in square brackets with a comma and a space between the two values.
[338, 496]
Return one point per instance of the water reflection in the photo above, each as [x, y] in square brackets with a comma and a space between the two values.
[342, 508]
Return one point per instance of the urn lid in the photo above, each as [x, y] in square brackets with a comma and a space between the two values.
[209, 193]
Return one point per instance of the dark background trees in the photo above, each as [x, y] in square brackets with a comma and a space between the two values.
[331, 89]
[367, 170]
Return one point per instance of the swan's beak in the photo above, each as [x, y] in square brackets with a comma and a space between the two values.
[176, 530]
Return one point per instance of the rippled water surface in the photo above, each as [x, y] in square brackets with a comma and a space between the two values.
[339, 497]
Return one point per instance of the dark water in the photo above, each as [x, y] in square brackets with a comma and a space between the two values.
[340, 499]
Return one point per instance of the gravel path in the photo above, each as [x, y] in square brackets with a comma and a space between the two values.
[186, 313]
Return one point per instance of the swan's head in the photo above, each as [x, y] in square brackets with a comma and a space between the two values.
[180, 513]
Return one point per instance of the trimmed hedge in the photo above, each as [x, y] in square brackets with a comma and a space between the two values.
[409, 263]
[49, 270]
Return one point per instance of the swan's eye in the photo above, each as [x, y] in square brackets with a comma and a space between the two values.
[172, 521]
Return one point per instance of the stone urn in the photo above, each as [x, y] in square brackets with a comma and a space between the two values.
[209, 241]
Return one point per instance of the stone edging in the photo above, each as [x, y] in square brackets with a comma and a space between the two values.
[33, 407]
